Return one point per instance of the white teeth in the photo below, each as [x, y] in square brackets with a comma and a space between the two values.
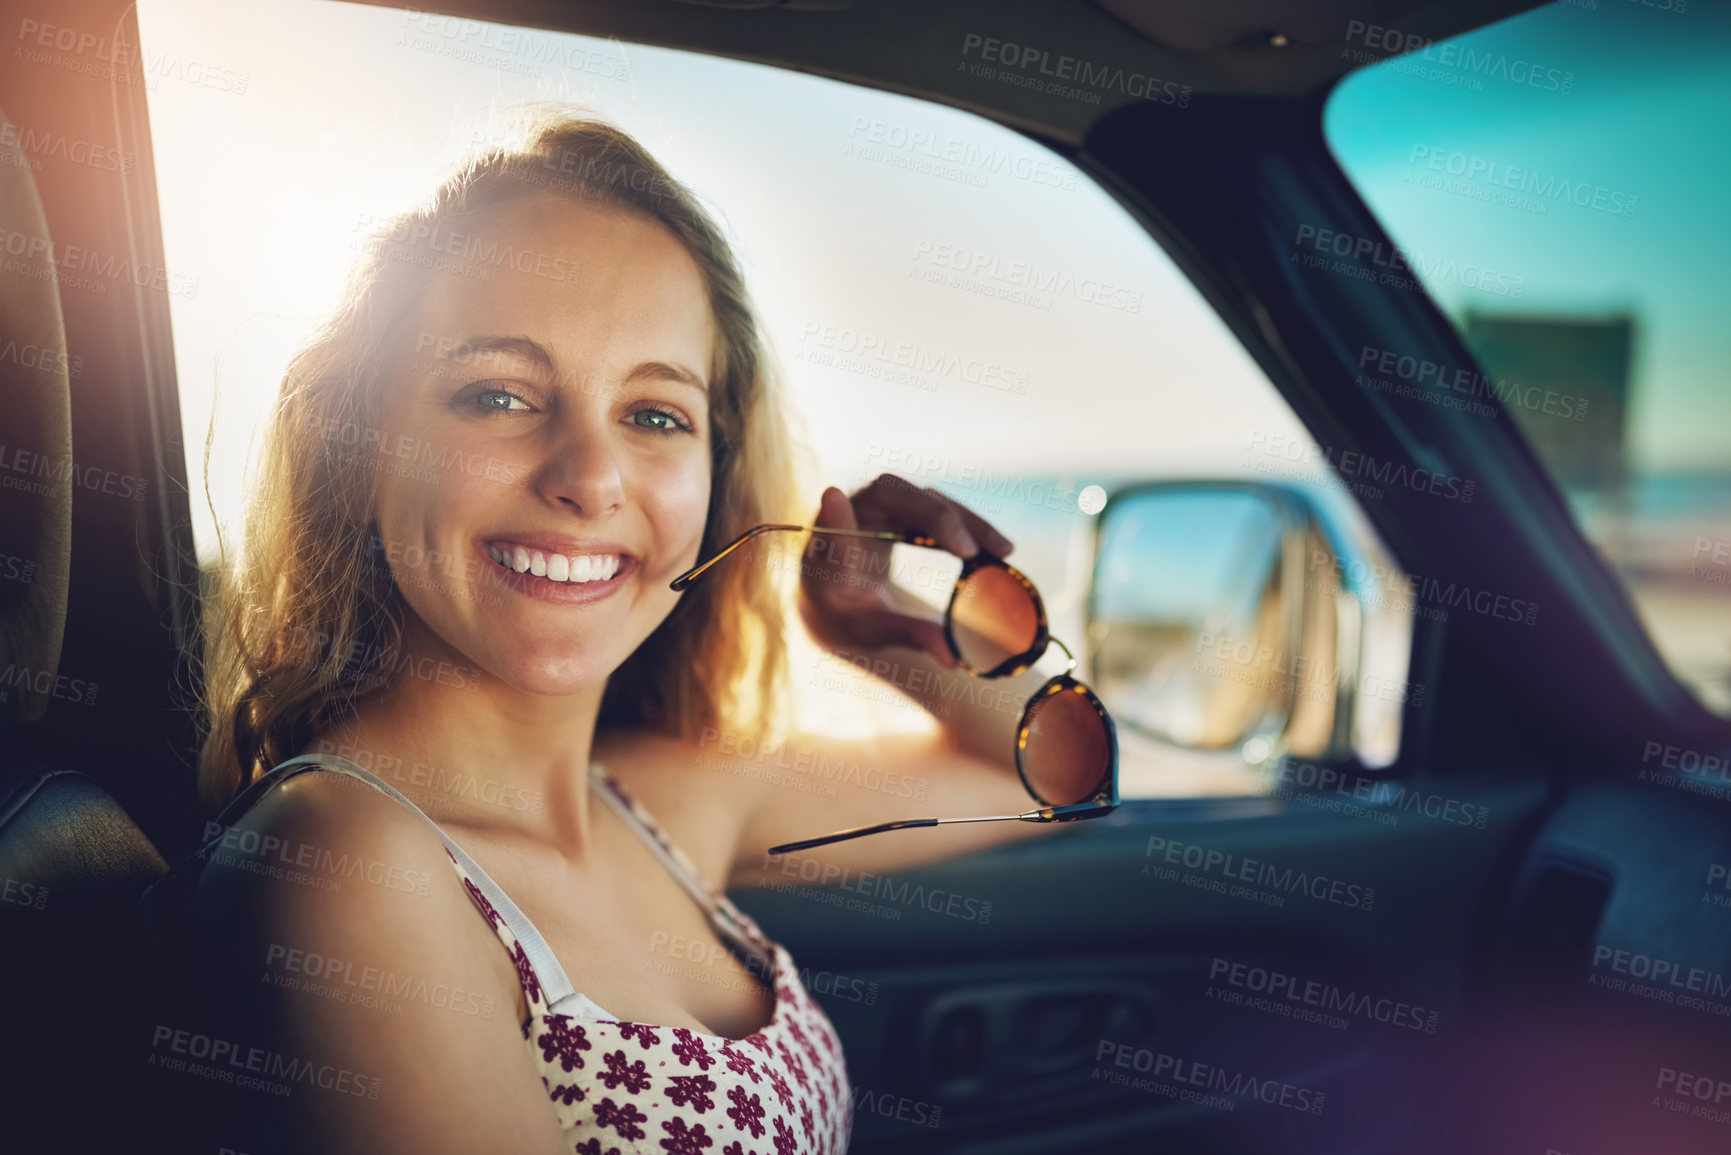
[557, 567]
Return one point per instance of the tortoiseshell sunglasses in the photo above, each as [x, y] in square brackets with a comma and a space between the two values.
[995, 624]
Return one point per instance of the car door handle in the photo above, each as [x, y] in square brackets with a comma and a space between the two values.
[1025, 1039]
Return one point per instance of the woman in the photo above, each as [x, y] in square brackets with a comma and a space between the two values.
[544, 397]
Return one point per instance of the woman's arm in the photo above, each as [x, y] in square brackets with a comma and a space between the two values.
[360, 952]
[979, 716]
[832, 784]
[873, 631]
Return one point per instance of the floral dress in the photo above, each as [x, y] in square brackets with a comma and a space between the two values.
[620, 1087]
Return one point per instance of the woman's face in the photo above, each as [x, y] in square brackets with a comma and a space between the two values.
[555, 416]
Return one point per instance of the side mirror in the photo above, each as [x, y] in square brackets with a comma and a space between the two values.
[1251, 618]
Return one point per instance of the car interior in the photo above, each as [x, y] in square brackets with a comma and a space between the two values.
[1495, 932]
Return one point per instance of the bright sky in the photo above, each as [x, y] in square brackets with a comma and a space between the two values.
[1647, 118]
[328, 117]
[836, 198]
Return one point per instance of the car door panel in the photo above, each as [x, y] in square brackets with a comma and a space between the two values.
[1309, 955]
[1605, 1026]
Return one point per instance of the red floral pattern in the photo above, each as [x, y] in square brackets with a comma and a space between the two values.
[632, 1075]
[689, 1048]
[644, 1034]
[691, 1093]
[493, 917]
[781, 1089]
[746, 1112]
[740, 1064]
[692, 1089]
[565, 1040]
[681, 1141]
[526, 975]
[622, 1117]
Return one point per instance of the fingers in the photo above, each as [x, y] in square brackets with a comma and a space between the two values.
[905, 507]
[835, 511]
[983, 530]
[876, 629]
[896, 503]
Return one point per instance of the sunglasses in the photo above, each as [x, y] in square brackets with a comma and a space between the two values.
[995, 624]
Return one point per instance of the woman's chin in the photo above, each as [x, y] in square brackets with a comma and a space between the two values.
[556, 675]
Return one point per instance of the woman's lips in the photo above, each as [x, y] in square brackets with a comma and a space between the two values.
[558, 592]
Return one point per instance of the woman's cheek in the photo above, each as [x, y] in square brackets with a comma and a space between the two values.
[677, 501]
[680, 487]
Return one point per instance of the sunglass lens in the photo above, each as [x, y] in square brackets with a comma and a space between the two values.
[1069, 750]
[993, 618]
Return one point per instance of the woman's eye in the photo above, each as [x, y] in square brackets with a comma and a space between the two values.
[660, 420]
[500, 400]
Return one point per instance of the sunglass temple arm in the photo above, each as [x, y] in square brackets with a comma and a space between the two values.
[691, 575]
[1042, 815]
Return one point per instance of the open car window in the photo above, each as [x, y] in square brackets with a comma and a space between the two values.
[1554, 181]
[950, 301]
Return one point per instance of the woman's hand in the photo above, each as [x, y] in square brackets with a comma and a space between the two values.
[844, 596]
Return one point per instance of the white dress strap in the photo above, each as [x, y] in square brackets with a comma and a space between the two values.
[562, 997]
[725, 917]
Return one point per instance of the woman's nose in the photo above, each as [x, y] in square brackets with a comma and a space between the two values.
[581, 469]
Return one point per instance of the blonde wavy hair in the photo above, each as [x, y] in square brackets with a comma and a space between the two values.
[307, 622]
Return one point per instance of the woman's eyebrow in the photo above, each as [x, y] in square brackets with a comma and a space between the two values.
[530, 350]
[662, 371]
[533, 351]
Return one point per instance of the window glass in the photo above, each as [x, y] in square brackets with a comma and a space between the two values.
[1557, 182]
[950, 302]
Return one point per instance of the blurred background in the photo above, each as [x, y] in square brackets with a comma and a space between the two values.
[942, 292]
[1576, 158]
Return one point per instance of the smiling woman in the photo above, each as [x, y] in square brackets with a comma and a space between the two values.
[407, 369]
[575, 442]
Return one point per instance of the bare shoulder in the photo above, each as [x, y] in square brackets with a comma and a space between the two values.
[726, 800]
[329, 842]
[326, 862]
[372, 958]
